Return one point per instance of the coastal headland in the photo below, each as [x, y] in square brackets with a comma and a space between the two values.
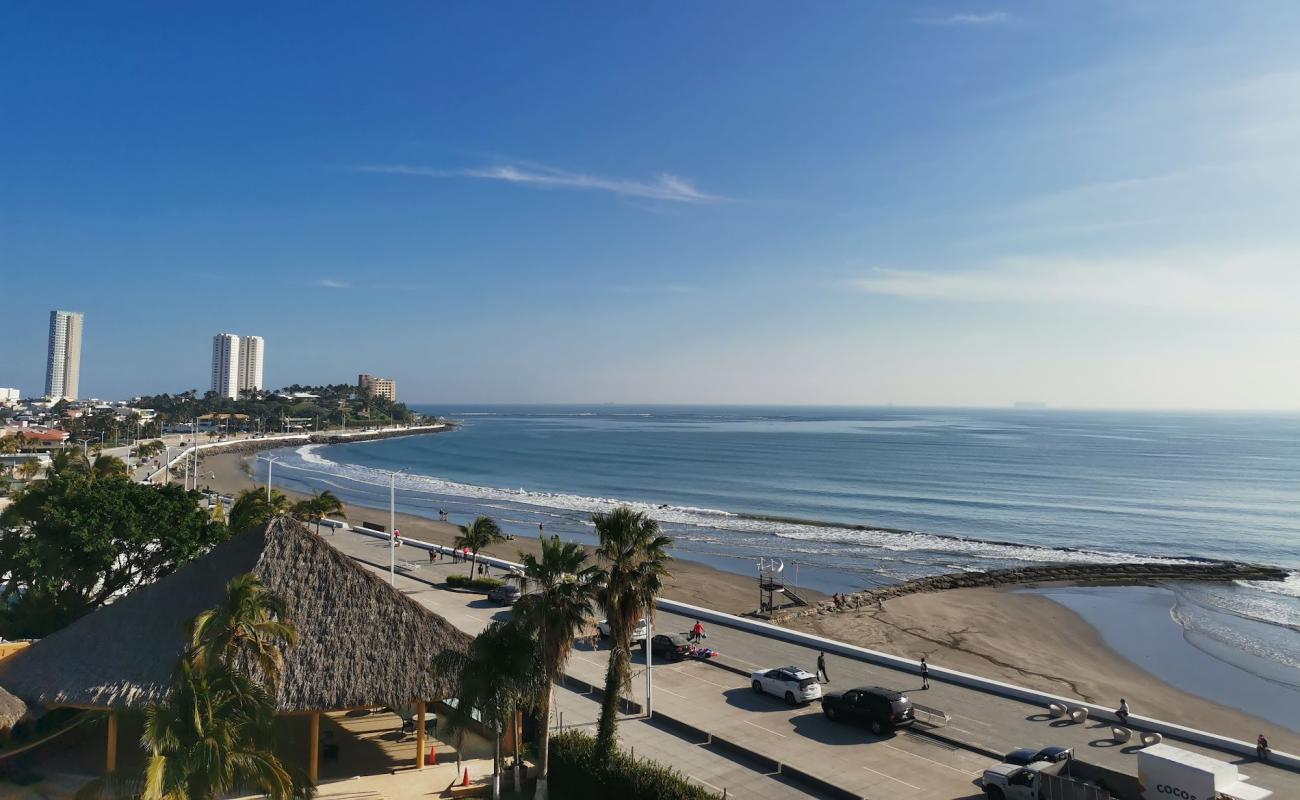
[973, 622]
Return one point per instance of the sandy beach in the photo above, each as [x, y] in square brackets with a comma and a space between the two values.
[995, 632]
[691, 582]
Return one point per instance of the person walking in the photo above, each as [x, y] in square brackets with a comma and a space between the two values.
[1261, 748]
[821, 668]
[697, 632]
[1122, 711]
[925, 674]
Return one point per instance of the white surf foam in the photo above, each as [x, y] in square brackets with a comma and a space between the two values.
[715, 519]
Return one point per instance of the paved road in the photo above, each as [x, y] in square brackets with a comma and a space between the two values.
[904, 767]
[720, 701]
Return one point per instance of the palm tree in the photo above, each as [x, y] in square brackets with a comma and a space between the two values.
[318, 507]
[252, 509]
[566, 590]
[246, 629]
[109, 467]
[635, 559]
[28, 469]
[480, 533]
[214, 734]
[500, 672]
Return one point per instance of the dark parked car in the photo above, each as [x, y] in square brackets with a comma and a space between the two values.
[506, 594]
[881, 710]
[1028, 755]
[670, 646]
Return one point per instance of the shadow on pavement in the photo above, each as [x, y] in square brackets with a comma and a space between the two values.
[749, 700]
[820, 729]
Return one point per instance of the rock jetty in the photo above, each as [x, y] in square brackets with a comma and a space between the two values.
[1085, 574]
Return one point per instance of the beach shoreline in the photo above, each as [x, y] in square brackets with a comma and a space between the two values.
[997, 632]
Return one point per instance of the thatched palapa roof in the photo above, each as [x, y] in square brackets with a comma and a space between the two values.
[12, 710]
[360, 641]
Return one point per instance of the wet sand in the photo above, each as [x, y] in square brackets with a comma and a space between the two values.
[998, 633]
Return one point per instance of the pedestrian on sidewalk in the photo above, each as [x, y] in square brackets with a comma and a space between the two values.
[1122, 711]
[1261, 748]
[821, 668]
[697, 632]
[925, 674]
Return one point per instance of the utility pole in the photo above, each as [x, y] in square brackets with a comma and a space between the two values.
[270, 464]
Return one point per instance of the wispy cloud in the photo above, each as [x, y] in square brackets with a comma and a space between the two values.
[1253, 282]
[984, 18]
[330, 283]
[663, 186]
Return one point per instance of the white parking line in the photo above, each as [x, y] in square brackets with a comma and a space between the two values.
[761, 728]
[674, 694]
[976, 721]
[892, 778]
[931, 760]
[706, 680]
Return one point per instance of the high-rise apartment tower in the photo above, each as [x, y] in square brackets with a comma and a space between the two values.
[236, 364]
[63, 364]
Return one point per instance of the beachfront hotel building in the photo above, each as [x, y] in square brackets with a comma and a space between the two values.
[236, 364]
[378, 387]
[63, 362]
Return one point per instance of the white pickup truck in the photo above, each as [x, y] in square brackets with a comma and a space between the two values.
[1171, 773]
[1016, 782]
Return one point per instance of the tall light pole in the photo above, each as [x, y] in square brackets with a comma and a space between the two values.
[649, 655]
[392, 527]
[270, 464]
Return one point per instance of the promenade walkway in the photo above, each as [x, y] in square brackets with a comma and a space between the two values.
[722, 703]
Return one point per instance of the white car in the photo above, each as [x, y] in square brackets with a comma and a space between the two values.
[791, 683]
[638, 633]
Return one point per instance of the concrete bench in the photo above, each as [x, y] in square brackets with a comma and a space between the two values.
[1120, 735]
[1078, 715]
[1056, 710]
[1149, 739]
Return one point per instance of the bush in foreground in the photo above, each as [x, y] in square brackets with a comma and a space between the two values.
[577, 774]
[477, 584]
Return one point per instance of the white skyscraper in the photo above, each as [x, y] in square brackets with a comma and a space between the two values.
[225, 365]
[250, 363]
[63, 364]
[236, 364]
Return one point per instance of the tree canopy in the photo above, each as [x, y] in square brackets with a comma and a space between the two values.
[75, 540]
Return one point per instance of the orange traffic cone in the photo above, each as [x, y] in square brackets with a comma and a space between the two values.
[465, 781]
[432, 758]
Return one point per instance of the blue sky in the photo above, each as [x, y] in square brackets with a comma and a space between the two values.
[942, 203]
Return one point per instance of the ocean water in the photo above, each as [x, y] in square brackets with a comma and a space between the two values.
[853, 498]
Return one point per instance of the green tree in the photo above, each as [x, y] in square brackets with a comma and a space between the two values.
[317, 507]
[251, 509]
[28, 469]
[109, 467]
[635, 558]
[69, 544]
[565, 592]
[480, 533]
[500, 673]
[214, 735]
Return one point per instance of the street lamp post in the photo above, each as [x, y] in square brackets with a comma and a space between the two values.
[270, 464]
[649, 656]
[392, 527]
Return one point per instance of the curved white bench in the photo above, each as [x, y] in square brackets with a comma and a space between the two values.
[1079, 715]
[1149, 739]
[1056, 710]
[1120, 735]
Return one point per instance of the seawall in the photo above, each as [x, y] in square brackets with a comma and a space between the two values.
[1092, 574]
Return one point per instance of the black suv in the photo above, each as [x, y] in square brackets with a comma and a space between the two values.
[881, 709]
